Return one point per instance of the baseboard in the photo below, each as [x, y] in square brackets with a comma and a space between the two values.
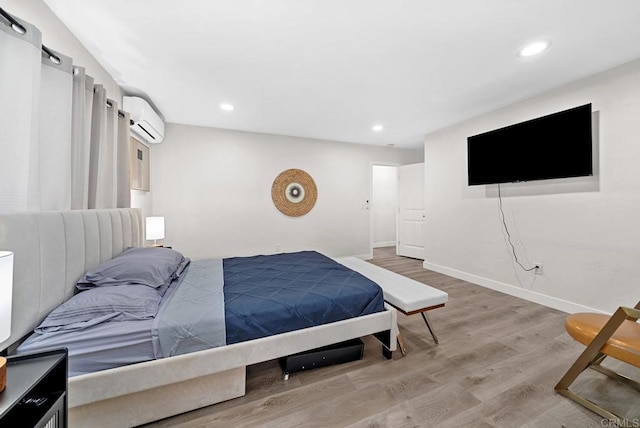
[367, 256]
[384, 244]
[532, 296]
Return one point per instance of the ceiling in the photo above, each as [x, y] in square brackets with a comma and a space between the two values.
[332, 69]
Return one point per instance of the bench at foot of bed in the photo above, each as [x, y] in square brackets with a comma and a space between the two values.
[405, 294]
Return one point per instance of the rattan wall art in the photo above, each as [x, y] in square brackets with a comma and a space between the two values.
[294, 192]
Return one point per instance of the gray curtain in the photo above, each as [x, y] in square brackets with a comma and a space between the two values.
[123, 161]
[19, 120]
[103, 157]
[55, 133]
[81, 138]
[61, 146]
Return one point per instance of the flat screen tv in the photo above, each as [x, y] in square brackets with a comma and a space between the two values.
[553, 146]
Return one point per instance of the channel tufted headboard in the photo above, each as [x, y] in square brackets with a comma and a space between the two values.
[52, 249]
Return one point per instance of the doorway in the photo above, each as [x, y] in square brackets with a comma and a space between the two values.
[397, 209]
[384, 205]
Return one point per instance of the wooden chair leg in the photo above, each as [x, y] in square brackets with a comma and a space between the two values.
[403, 349]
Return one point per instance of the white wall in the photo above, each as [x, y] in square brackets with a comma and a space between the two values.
[143, 200]
[384, 205]
[214, 188]
[586, 232]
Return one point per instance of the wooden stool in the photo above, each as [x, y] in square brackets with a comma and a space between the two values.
[617, 336]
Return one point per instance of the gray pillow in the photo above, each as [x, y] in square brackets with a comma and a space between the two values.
[150, 266]
[179, 271]
[100, 304]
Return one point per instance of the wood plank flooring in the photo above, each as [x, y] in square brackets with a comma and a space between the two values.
[498, 360]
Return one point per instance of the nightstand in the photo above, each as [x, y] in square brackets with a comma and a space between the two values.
[36, 392]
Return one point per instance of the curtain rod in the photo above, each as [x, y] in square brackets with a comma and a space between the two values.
[17, 27]
[110, 105]
[53, 57]
[20, 29]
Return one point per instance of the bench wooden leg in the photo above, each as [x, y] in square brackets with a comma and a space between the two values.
[426, 320]
[403, 349]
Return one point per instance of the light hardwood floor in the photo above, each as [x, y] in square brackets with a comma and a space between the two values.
[498, 360]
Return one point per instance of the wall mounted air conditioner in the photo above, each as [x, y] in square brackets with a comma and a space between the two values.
[145, 122]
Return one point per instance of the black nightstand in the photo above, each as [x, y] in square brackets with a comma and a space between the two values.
[36, 392]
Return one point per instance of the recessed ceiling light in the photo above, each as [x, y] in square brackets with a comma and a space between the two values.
[377, 128]
[226, 107]
[534, 48]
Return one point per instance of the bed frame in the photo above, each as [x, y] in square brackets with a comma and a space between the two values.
[54, 248]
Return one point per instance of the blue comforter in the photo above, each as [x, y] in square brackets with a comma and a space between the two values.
[267, 295]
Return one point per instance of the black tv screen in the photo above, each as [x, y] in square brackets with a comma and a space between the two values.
[554, 146]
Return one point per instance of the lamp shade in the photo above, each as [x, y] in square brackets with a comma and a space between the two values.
[154, 228]
[6, 292]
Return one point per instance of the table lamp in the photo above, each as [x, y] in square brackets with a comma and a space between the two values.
[154, 229]
[6, 291]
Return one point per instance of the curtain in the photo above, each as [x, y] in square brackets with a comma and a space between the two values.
[80, 138]
[123, 185]
[98, 157]
[55, 134]
[19, 120]
[63, 143]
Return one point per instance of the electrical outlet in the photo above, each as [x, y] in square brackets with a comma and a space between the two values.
[277, 248]
[538, 268]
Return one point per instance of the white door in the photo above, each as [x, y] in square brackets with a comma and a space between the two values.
[411, 213]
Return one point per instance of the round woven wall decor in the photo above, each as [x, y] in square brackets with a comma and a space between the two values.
[294, 192]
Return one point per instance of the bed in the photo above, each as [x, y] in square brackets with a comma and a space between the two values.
[54, 249]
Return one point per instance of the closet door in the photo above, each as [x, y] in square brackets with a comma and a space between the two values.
[411, 213]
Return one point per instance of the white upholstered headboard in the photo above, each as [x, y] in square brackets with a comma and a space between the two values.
[52, 249]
